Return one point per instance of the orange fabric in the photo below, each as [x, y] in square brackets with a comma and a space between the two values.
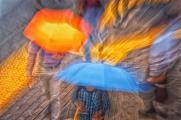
[58, 30]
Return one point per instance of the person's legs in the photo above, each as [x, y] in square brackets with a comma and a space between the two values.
[172, 108]
[43, 77]
[51, 88]
[160, 83]
[148, 108]
[163, 54]
[44, 84]
[55, 99]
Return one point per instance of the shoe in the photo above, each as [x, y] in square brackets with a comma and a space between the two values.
[160, 109]
[158, 117]
[48, 109]
[147, 113]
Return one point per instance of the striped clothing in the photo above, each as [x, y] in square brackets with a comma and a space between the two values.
[45, 60]
[94, 101]
[165, 51]
[45, 57]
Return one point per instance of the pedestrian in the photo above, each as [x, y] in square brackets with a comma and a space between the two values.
[43, 66]
[91, 103]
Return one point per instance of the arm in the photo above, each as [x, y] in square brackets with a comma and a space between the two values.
[79, 105]
[32, 54]
[105, 103]
[74, 96]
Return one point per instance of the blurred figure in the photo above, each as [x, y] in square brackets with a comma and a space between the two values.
[91, 104]
[44, 65]
[91, 11]
[164, 54]
[165, 49]
[127, 17]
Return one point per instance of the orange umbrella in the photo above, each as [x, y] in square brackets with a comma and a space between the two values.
[58, 30]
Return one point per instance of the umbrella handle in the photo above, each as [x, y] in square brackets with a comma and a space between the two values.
[76, 115]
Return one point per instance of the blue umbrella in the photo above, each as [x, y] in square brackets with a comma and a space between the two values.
[102, 76]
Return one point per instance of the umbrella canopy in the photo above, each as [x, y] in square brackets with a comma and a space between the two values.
[58, 30]
[102, 76]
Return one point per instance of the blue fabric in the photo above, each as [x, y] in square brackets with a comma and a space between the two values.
[92, 15]
[87, 46]
[94, 101]
[166, 40]
[165, 46]
[102, 76]
[165, 50]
